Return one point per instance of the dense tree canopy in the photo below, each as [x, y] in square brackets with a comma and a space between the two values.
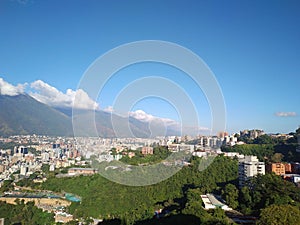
[24, 214]
[230, 195]
[279, 214]
[262, 151]
[266, 190]
[265, 139]
[159, 153]
[267, 152]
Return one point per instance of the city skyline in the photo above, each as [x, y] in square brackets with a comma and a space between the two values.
[251, 47]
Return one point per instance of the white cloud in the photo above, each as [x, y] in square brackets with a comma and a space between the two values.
[109, 109]
[143, 116]
[9, 89]
[49, 95]
[286, 114]
[167, 123]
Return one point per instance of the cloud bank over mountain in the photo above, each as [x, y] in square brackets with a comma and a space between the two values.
[49, 95]
[11, 90]
[141, 121]
[145, 117]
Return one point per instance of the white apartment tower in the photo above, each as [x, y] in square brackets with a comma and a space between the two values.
[249, 167]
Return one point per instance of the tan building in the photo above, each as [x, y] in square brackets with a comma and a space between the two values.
[277, 168]
[147, 150]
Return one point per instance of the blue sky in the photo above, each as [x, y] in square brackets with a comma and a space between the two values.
[252, 47]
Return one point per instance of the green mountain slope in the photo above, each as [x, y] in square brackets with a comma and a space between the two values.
[22, 114]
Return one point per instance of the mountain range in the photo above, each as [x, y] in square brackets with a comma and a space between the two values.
[23, 114]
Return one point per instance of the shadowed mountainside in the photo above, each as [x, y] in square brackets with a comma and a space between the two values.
[22, 114]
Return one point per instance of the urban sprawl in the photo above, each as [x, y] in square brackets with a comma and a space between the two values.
[31, 154]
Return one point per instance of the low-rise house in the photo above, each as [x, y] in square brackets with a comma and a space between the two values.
[211, 202]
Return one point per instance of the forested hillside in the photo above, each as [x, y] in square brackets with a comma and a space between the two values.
[105, 199]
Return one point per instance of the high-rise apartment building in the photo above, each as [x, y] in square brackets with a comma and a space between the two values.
[249, 166]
